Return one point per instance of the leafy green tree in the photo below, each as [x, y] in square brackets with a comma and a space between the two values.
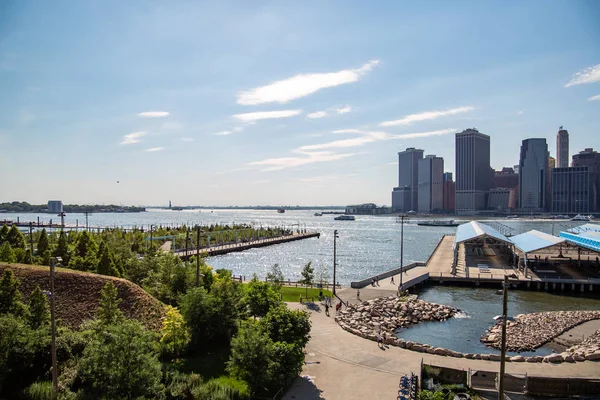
[3, 233]
[106, 266]
[39, 311]
[260, 297]
[15, 238]
[108, 312]
[62, 249]
[85, 245]
[121, 362]
[250, 359]
[287, 361]
[10, 296]
[174, 333]
[308, 276]
[275, 276]
[7, 254]
[27, 259]
[285, 325]
[43, 244]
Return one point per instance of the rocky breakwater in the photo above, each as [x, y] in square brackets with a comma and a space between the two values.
[387, 314]
[529, 331]
[589, 349]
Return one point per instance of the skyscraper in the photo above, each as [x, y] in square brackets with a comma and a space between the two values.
[431, 184]
[562, 148]
[405, 196]
[533, 175]
[591, 159]
[473, 172]
[449, 192]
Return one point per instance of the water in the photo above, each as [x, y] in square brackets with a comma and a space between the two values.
[365, 247]
[479, 306]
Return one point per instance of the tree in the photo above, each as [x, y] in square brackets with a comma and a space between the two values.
[250, 358]
[39, 311]
[260, 297]
[3, 233]
[121, 361]
[174, 333]
[10, 297]
[108, 312]
[285, 325]
[43, 245]
[106, 266]
[62, 249]
[7, 254]
[275, 276]
[85, 245]
[323, 274]
[15, 238]
[308, 276]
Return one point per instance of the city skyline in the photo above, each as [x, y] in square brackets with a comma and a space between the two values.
[233, 104]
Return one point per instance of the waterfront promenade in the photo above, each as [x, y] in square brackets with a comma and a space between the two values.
[340, 365]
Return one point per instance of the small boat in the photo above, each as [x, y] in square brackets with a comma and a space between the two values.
[318, 214]
[345, 218]
[281, 210]
[512, 216]
[583, 218]
[444, 222]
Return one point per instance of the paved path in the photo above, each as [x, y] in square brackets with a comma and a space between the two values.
[340, 365]
[576, 335]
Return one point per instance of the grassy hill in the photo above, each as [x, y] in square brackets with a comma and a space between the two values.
[78, 294]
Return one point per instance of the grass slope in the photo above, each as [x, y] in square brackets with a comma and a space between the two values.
[292, 294]
[78, 294]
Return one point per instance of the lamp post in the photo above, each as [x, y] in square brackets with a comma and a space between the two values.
[402, 216]
[335, 236]
[53, 324]
[503, 348]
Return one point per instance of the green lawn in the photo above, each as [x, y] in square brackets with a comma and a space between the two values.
[292, 294]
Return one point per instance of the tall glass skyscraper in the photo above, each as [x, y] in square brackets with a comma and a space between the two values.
[562, 148]
[405, 196]
[533, 175]
[473, 171]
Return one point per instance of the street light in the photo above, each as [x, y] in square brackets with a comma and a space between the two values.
[402, 217]
[335, 236]
[53, 323]
[503, 348]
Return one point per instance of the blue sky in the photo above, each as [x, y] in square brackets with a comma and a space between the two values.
[237, 103]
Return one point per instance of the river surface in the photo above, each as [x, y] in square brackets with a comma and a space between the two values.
[365, 247]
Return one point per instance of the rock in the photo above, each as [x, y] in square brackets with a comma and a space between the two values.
[483, 356]
[440, 352]
[578, 357]
[592, 357]
[495, 357]
[517, 359]
[534, 359]
[553, 358]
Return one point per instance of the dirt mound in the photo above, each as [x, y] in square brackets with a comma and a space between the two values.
[78, 294]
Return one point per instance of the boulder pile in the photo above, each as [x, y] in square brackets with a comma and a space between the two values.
[387, 314]
[589, 349]
[530, 331]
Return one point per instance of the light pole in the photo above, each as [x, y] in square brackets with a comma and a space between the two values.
[335, 236]
[503, 348]
[53, 324]
[401, 248]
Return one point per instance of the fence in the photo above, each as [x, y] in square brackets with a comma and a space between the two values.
[383, 275]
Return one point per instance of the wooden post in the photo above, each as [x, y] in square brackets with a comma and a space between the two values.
[198, 256]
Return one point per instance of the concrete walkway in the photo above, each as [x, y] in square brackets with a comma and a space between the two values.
[340, 365]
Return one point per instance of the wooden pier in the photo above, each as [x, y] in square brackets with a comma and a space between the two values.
[241, 246]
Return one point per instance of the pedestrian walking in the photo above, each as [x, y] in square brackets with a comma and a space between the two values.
[380, 340]
[358, 293]
[392, 280]
[326, 309]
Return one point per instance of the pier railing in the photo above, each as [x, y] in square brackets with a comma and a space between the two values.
[383, 275]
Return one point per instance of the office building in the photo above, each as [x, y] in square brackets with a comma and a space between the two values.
[405, 195]
[506, 178]
[533, 173]
[55, 206]
[591, 159]
[473, 172]
[562, 148]
[430, 184]
[499, 199]
[572, 190]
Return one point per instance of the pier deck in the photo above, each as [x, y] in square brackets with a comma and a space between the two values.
[241, 246]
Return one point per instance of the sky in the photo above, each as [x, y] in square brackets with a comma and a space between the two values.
[279, 102]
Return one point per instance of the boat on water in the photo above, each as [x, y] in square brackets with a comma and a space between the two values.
[583, 218]
[318, 214]
[512, 216]
[443, 222]
[345, 218]
[281, 210]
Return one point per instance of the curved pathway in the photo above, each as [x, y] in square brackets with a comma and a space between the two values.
[340, 365]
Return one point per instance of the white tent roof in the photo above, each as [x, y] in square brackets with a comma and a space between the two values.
[535, 240]
[474, 229]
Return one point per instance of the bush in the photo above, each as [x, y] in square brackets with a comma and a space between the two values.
[40, 391]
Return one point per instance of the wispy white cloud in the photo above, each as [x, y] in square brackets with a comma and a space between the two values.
[325, 178]
[594, 98]
[344, 110]
[588, 75]
[260, 115]
[223, 133]
[238, 129]
[274, 164]
[424, 116]
[153, 149]
[133, 137]
[153, 114]
[519, 112]
[187, 139]
[302, 85]
[369, 137]
[317, 114]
